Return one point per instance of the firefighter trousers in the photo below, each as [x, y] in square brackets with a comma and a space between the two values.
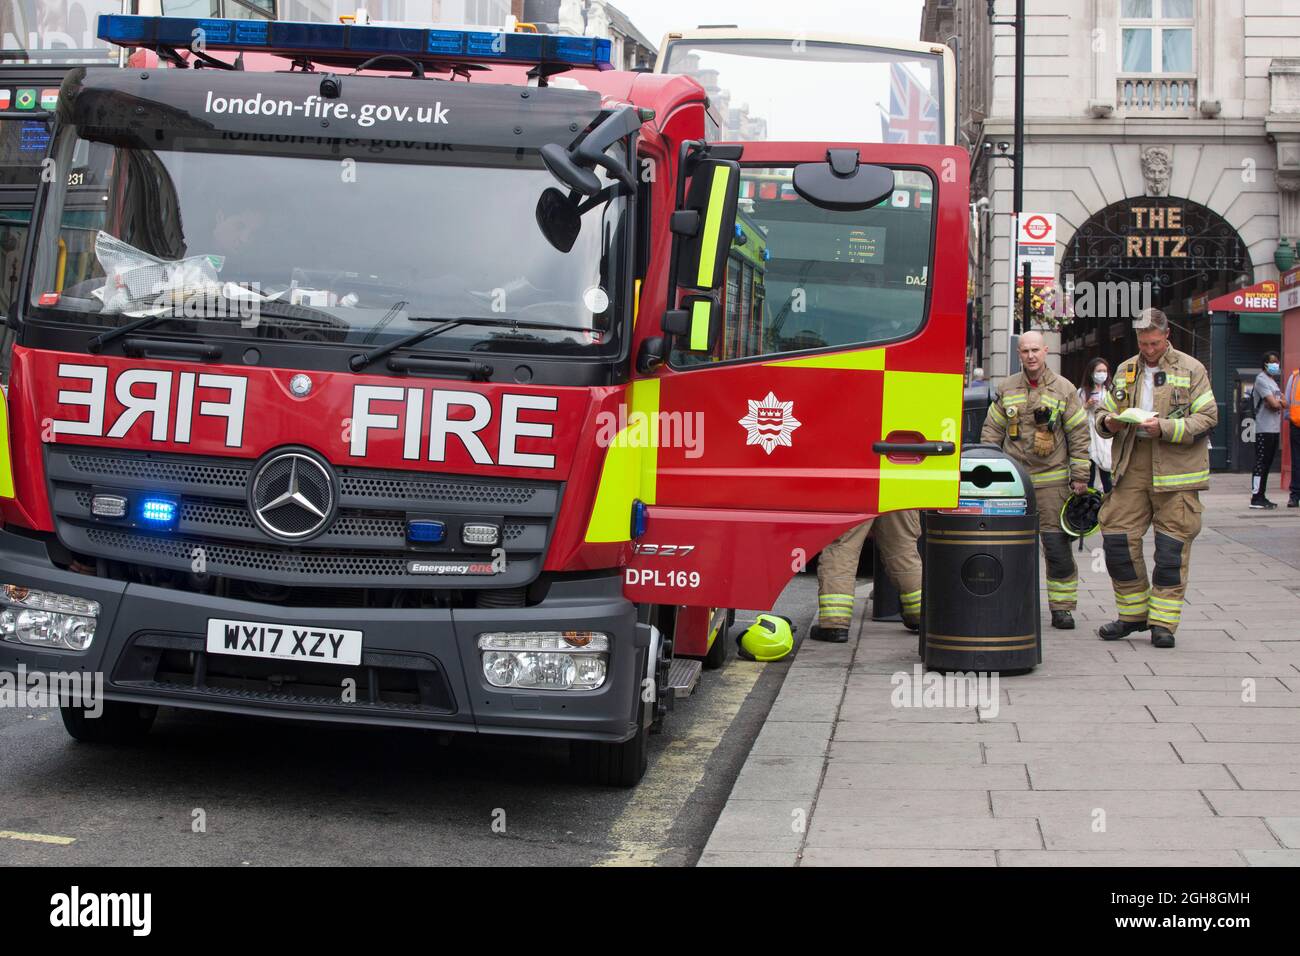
[1062, 573]
[896, 534]
[1132, 507]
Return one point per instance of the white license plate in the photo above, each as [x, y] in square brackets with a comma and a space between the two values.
[284, 641]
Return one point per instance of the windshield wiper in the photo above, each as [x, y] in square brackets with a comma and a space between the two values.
[272, 307]
[99, 341]
[365, 359]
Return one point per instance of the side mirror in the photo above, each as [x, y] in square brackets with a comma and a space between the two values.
[705, 225]
[558, 218]
[698, 322]
[841, 183]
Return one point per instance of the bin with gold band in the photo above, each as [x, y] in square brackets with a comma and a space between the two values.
[981, 571]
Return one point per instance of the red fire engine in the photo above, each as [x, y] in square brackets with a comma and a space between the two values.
[389, 385]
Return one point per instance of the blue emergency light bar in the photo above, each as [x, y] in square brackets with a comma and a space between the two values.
[341, 40]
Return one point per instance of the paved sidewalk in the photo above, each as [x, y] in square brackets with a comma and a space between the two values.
[1106, 754]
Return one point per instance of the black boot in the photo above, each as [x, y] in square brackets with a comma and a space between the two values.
[1063, 620]
[832, 635]
[1117, 629]
[1161, 636]
[911, 623]
[1259, 501]
[1293, 502]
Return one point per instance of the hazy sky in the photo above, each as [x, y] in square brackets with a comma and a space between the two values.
[884, 18]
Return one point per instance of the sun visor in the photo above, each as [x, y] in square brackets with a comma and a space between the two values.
[152, 105]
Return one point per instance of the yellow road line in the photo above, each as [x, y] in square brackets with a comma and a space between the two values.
[36, 837]
[640, 831]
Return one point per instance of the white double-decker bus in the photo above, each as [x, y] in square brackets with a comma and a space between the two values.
[791, 86]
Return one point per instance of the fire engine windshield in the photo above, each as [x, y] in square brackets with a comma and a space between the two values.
[357, 242]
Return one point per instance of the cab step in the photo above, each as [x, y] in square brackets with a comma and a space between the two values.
[683, 676]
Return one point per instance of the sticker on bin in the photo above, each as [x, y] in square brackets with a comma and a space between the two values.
[987, 506]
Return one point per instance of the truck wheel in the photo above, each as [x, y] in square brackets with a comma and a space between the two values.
[120, 722]
[611, 765]
[718, 651]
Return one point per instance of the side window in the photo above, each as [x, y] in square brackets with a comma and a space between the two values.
[801, 278]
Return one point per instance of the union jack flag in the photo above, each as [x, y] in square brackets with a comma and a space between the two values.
[913, 113]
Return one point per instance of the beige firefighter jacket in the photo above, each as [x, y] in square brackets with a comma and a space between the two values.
[1013, 411]
[1184, 403]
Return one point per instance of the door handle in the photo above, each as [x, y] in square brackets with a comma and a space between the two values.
[921, 449]
[910, 448]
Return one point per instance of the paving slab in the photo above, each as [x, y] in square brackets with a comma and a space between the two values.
[1063, 732]
[865, 776]
[955, 753]
[927, 833]
[1234, 753]
[1116, 803]
[845, 856]
[1129, 858]
[852, 804]
[884, 730]
[1084, 751]
[1254, 803]
[1122, 832]
[1064, 775]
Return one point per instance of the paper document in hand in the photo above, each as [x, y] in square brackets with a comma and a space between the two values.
[1133, 416]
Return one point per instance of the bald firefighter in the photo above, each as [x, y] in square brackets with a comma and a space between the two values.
[1038, 420]
[1161, 464]
[896, 534]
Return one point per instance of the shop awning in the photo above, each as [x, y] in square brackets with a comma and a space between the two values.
[1260, 297]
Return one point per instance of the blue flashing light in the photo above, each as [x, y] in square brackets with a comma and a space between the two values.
[159, 512]
[359, 42]
[640, 515]
[420, 531]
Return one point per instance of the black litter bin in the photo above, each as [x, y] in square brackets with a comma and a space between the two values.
[981, 608]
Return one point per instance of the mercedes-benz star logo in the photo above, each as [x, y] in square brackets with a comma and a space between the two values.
[292, 496]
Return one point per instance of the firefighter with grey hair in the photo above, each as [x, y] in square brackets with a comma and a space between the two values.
[1039, 420]
[1160, 411]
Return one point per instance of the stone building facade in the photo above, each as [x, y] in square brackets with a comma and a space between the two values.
[1164, 135]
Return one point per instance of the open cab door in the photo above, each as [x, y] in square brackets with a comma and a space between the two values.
[812, 350]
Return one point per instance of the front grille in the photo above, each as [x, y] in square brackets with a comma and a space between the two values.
[106, 466]
[364, 546]
[383, 683]
[416, 489]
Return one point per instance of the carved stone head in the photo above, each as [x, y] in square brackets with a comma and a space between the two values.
[1157, 167]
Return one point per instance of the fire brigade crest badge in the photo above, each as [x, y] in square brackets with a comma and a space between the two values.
[769, 423]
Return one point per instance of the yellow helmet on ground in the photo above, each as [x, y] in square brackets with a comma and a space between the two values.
[769, 638]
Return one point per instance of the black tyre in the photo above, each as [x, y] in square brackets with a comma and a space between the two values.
[718, 651]
[120, 722]
[611, 765]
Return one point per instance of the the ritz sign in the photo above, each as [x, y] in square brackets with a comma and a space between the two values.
[1159, 246]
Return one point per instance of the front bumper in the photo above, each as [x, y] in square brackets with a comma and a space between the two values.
[419, 668]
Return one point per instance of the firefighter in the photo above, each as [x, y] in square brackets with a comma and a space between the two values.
[1038, 419]
[896, 533]
[1160, 466]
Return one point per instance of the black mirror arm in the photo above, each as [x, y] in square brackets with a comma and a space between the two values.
[590, 152]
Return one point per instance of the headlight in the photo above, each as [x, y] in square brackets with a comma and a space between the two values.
[46, 619]
[545, 660]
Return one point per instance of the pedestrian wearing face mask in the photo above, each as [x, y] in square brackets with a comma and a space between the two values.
[1093, 391]
[1267, 398]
